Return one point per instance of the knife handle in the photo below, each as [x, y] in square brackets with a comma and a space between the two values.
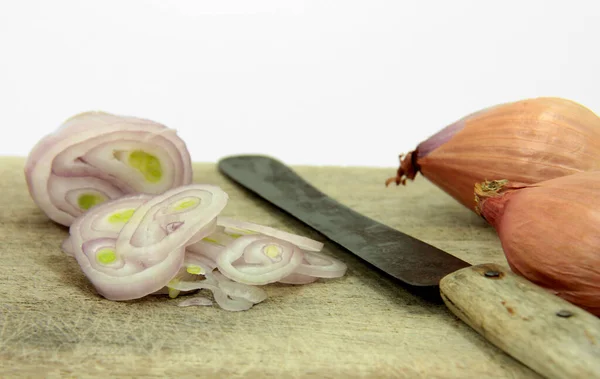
[543, 331]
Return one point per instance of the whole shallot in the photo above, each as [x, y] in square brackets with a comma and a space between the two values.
[526, 141]
[95, 156]
[550, 232]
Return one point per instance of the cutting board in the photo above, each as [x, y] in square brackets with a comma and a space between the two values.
[53, 324]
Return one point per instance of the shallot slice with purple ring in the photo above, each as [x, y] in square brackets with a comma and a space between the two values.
[270, 259]
[207, 264]
[206, 249]
[95, 156]
[106, 221]
[195, 205]
[211, 245]
[237, 228]
[102, 257]
[117, 277]
[123, 271]
[321, 265]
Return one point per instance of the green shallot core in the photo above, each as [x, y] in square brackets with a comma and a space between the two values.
[121, 217]
[186, 203]
[272, 251]
[242, 231]
[211, 240]
[88, 200]
[173, 293]
[147, 164]
[106, 256]
[195, 270]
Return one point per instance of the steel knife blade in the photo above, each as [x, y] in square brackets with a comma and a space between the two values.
[551, 336]
[405, 258]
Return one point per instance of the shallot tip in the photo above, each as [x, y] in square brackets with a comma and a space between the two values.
[408, 169]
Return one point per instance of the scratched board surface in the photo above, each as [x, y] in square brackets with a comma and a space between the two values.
[53, 324]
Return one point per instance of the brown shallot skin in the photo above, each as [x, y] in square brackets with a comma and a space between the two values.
[550, 232]
[526, 141]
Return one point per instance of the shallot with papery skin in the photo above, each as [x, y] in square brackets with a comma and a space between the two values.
[527, 141]
[550, 232]
[95, 156]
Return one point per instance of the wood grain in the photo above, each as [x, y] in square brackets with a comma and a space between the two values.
[53, 324]
[547, 333]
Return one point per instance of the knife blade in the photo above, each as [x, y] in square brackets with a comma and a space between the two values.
[395, 253]
[551, 336]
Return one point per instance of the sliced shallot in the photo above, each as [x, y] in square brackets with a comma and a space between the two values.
[266, 259]
[321, 266]
[239, 290]
[205, 264]
[237, 228]
[229, 295]
[149, 249]
[211, 245]
[118, 277]
[171, 220]
[95, 156]
[106, 221]
[195, 301]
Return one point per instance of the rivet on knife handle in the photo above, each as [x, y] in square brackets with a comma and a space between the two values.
[548, 334]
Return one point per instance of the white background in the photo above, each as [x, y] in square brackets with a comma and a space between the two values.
[310, 82]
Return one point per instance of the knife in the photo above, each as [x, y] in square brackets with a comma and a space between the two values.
[548, 334]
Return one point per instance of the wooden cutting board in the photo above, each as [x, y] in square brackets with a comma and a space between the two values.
[53, 324]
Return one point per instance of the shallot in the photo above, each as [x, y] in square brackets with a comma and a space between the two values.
[266, 259]
[526, 141]
[195, 301]
[177, 242]
[237, 227]
[197, 275]
[550, 232]
[106, 221]
[314, 264]
[149, 249]
[95, 156]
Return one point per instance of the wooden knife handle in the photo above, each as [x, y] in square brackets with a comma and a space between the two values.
[543, 331]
